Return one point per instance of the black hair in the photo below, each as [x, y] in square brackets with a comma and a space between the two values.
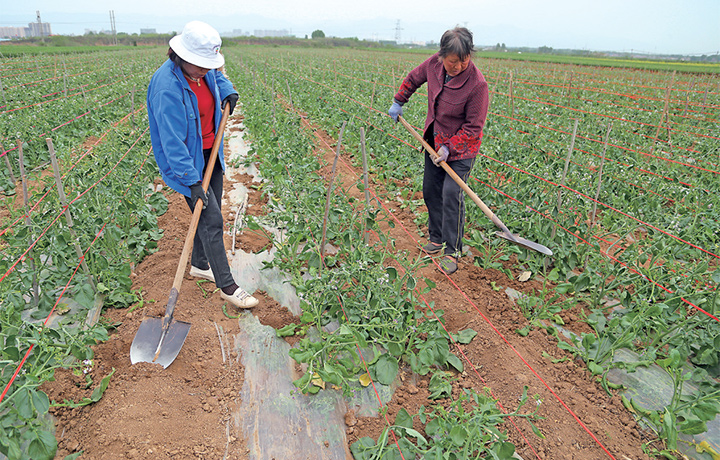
[177, 60]
[457, 41]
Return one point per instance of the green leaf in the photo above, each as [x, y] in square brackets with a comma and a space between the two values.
[43, 447]
[360, 449]
[73, 456]
[458, 434]
[716, 276]
[693, 427]
[455, 362]
[23, 405]
[286, 331]
[98, 392]
[465, 336]
[386, 369]
[433, 427]
[403, 419]
[595, 368]
[40, 401]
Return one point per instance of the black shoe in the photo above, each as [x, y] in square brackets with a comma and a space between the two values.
[448, 265]
[432, 248]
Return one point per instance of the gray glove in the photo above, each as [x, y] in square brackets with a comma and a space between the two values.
[442, 155]
[395, 110]
[197, 193]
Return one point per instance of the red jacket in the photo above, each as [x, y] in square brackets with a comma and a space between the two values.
[458, 108]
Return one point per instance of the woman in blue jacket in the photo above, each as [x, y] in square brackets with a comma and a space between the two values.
[185, 101]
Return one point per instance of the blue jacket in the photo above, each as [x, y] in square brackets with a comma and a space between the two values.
[175, 124]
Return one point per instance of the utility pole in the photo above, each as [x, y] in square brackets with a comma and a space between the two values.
[112, 27]
[397, 32]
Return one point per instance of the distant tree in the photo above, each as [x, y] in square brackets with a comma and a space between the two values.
[545, 50]
[318, 34]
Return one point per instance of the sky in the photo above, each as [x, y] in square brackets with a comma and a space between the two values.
[647, 26]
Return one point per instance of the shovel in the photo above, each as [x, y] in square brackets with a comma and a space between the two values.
[159, 340]
[505, 233]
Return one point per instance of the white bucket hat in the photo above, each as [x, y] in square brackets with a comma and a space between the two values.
[199, 44]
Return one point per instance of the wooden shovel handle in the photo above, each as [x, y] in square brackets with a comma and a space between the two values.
[487, 211]
[198, 209]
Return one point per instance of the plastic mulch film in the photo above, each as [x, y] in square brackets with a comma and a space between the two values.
[277, 420]
[652, 388]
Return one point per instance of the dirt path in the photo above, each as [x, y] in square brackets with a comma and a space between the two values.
[185, 411]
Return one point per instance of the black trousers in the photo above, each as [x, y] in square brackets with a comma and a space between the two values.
[208, 245]
[445, 201]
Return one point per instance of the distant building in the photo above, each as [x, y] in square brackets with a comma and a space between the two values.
[39, 29]
[271, 33]
[34, 29]
[234, 33]
[147, 31]
[12, 32]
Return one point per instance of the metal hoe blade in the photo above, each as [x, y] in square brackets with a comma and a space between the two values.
[525, 243]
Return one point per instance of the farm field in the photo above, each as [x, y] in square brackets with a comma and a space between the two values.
[617, 170]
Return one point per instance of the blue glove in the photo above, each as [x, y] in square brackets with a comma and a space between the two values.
[197, 193]
[395, 110]
[442, 155]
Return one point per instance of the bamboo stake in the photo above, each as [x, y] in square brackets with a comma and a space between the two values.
[65, 78]
[289, 95]
[512, 100]
[7, 162]
[28, 222]
[599, 185]
[597, 192]
[366, 237]
[2, 91]
[327, 201]
[664, 114]
[564, 175]
[132, 106]
[66, 210]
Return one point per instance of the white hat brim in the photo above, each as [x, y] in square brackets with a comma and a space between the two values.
[201, 61]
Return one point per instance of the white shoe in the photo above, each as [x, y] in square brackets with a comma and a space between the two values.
[204, 274]
[240, 298]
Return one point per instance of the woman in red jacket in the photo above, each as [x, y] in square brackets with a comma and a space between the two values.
[457, 108]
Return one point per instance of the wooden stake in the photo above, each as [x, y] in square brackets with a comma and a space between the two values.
[564, 175]
[68, 217]
[327, 201]
[366, 237]
[28, 222]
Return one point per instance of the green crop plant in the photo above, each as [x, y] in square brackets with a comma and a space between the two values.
[464, 428]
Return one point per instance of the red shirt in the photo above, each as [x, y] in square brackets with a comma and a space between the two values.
[458, 107]
[206, 106]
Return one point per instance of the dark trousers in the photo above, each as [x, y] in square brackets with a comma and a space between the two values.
[445, 202]
[208, 245]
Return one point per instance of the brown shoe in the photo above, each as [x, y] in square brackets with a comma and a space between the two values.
[448, 265]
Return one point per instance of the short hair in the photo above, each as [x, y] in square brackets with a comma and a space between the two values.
[457, 41]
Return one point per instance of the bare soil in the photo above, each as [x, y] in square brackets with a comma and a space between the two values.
[184, 411]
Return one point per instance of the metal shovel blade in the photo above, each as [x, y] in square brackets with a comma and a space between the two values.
[150, 341]
[526, 243]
